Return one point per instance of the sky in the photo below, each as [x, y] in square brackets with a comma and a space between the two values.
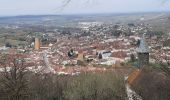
[43, 7]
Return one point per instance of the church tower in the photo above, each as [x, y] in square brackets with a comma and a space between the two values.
[143, 53]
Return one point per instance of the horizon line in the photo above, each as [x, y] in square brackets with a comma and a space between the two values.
[78, 14]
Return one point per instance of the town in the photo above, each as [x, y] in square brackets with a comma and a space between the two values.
[83, 46]
[89, 47]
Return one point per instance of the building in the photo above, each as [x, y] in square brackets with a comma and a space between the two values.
[37, 44]
[143, 53]
[80, 58]
[103, 54]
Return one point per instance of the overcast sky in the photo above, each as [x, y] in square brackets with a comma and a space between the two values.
[37, 7]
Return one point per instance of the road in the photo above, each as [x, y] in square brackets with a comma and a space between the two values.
[47, 68]
[132, 95]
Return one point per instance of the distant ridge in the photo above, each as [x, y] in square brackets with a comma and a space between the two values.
[84, 14]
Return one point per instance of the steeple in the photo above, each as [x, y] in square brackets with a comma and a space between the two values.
[143, 47]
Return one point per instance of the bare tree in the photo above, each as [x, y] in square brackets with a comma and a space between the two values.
[67, 2]
[13, 83]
